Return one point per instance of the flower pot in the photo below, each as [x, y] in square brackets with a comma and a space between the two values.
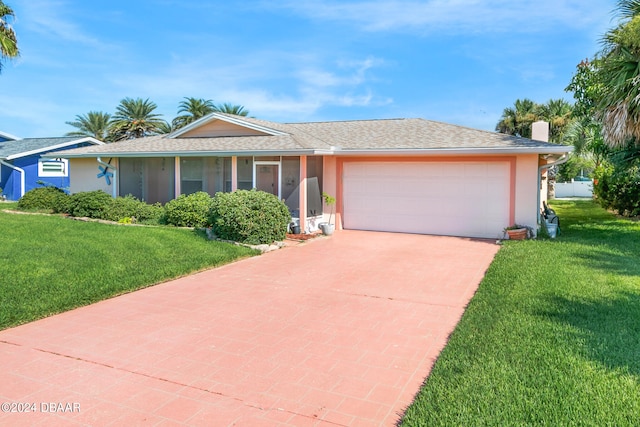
[327, 229]
[517, 234]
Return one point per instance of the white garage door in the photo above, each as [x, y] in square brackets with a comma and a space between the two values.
[456, 199]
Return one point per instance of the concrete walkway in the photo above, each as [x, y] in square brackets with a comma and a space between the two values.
[340, 331]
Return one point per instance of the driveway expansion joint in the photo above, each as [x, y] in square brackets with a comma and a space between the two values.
[217, 393]
[399, 299]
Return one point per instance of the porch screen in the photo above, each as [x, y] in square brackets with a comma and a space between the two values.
[291, 184]
[202, 174]
[245, 173]
[148, 179]
[314, 185]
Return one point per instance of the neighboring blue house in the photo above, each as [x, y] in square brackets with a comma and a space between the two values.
[22, 168]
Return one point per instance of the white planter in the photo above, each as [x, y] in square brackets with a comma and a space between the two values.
[552, 229]
[327, 229]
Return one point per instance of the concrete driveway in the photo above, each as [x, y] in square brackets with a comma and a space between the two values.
[339, 331]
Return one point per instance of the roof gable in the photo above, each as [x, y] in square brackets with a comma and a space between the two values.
[7, 137]
[217, 125]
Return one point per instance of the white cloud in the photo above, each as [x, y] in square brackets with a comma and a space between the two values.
[451, 16]
[53, 19]
[299, 84]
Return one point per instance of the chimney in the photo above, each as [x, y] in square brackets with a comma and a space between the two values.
[540, 131]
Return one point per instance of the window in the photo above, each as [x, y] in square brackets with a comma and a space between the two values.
[53, 167]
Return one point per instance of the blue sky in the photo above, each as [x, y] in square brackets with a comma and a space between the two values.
[456, 61]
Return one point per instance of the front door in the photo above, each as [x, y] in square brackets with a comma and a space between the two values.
[267, 178]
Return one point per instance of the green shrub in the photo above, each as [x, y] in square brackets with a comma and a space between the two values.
[253, 217]
[189, 210]
[92, 204]
[133, 209]
[618, 188]
[44, 198]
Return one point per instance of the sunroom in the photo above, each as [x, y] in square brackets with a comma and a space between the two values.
[161, 179]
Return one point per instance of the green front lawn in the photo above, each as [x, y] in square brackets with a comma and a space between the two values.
[49, 264]
[552, 337]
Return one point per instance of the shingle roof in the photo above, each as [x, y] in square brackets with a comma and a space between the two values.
[28, 145]
[393, 135]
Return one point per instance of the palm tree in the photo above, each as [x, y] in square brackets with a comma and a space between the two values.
[8, 41]
[165, 127]
[134, 118]
[94, 124]
[558, 113]
[586, 137]
[228, 108]
[193, 109]
[517, 120]
[619, 72]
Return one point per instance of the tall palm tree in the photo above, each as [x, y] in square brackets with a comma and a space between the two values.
[94, 124]
[586, 137]
[193, 109]
[517, 120]
[619, 71]
[165, 127]
[8, 42]
[134, 118]
[228, 108]
[557, 112]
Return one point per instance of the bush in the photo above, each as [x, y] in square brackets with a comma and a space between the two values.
[44, 198]
[253, 217]
[133, 209]
[618, 188]
[92, 204]
[189, 210]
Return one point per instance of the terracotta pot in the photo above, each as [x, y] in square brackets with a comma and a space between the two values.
[517, 234]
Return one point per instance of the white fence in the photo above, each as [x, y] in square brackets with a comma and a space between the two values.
[574, 189]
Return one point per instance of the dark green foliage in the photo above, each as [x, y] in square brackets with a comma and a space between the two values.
[189, 210]
[129, 207]
[92, 204]
[252, 217]
[618, 188]
[44, 198]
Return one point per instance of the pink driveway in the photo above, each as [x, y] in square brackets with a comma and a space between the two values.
[340, 331]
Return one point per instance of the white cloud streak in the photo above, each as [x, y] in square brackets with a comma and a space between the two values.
[451, 16]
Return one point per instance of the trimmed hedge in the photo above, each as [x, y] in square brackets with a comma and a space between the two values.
[249, 216]
[44, 198]
[129, 209]
[189, 210]
[92, 204]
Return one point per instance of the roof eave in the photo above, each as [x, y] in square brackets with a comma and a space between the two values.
[449, 151]
[319, 152]
[54, 147]
[226, 153]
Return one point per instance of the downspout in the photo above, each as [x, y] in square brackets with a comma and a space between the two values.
[114, 186]
[560, 161]
[22, 175]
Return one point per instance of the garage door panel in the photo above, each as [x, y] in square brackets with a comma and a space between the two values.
[463, 199]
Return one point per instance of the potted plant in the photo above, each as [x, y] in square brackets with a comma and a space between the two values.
[327, 227]
[517, 232]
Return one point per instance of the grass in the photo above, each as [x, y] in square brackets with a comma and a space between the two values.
[551, 338]
[50, 264]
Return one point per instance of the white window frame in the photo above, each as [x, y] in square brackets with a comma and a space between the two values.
[64, 173]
